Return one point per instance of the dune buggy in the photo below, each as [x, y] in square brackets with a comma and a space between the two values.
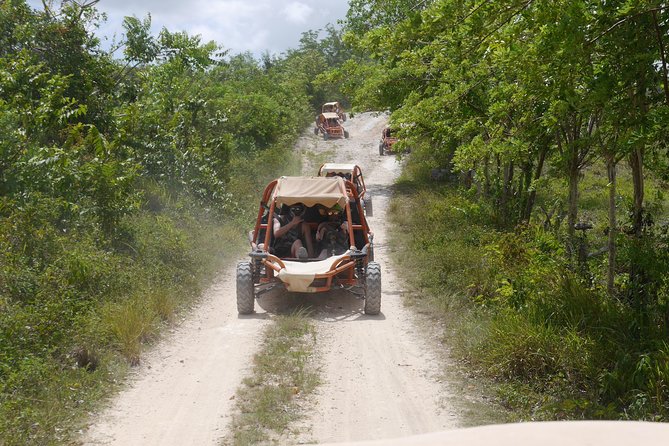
[329, 125]
[334, 107]
[352, 173]
[387, 142]
[353, 269]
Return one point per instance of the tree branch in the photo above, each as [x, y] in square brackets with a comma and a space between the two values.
[625, 19]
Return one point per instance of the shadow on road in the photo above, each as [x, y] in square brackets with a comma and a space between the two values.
[331, 306]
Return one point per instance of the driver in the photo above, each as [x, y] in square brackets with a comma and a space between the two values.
[289, 229]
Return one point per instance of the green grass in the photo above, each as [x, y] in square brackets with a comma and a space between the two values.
[283, 375]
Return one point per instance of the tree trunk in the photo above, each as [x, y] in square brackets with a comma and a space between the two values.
[572, 212]
[613, 224]
[637, 271]
[486, 176]
[507, 188]
[533, 193]
[636, 163]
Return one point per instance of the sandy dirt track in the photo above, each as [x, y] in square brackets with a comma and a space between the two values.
[381, 375]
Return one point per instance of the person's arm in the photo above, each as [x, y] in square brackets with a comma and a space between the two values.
[280, 231]
[319, 235]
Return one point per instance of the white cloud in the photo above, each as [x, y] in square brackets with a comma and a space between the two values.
[237, 25]
[297, 12]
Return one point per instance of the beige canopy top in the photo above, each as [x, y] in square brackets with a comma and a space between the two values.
[337, 168]
[330, 115]
[331, 103]
[328, 191]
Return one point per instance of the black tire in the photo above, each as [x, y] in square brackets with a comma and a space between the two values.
[373, 289]
[315, 130]
[369, 209]
[381, 151]
[343, 117]
[346, 134]
[245, 290]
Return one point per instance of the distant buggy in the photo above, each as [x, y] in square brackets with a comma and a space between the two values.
[330, 126]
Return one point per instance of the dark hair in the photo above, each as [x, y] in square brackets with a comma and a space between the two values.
[297, 209]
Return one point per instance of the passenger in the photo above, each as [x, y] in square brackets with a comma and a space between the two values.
[332, 234]
[288, 230]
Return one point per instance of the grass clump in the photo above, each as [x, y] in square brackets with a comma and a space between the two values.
[283, 375]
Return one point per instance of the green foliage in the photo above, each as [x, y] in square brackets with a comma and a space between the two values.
[556, 343]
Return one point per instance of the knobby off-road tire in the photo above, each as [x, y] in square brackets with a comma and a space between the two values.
[316, 131]
[346, 135]
[381, 150]
[369, 209]
[373, 289]
[245, 293]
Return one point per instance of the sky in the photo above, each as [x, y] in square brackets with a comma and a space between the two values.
[238, 25]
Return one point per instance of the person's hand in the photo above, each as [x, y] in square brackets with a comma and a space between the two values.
[297, 219]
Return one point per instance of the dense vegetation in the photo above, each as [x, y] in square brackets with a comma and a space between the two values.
[551, 117]
[123, 173]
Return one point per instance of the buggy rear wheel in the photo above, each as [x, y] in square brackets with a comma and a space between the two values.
[345, 133]
[315, 130]
[245, 289]
[373, 289]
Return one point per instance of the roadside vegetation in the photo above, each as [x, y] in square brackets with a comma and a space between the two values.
[284, 374]
[544, 244]
[123, 175]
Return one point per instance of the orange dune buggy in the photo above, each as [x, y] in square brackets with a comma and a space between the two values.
[353, 269]
[353, 173]
[334, 107]
[329, 125]
[387, 142]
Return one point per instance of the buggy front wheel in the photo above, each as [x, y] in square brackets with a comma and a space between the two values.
[245, 289]
[373, 289]
[381, 151]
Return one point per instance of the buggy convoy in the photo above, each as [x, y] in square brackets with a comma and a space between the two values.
[352, 269]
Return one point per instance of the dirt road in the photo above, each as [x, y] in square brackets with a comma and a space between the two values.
[380, 375]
